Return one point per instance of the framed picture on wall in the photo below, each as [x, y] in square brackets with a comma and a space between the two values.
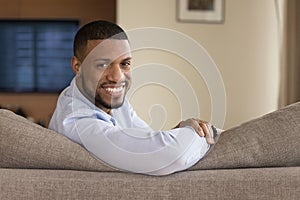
[205, 11]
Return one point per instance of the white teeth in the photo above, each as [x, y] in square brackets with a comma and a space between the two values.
[115, 89]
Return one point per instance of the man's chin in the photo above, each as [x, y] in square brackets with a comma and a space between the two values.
[110, 104]
[116, 105]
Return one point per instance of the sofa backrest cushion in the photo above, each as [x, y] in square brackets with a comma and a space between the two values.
[24, 144]
[269, 141]
[272, 140]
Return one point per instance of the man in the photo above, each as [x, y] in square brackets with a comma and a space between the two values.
[94, 112]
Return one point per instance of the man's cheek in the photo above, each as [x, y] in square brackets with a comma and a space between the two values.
[128, 76]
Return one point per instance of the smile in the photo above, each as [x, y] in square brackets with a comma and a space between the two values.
[113, 90]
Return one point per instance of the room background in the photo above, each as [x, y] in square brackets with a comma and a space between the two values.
[245, 48]
[40, 106]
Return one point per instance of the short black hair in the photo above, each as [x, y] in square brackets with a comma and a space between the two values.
[96, 30]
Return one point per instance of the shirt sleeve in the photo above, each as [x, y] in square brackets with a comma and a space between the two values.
[139, 150]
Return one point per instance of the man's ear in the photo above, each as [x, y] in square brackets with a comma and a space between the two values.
[75, 62]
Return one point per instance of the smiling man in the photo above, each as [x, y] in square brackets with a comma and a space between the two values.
[94, 112]
[106, 77]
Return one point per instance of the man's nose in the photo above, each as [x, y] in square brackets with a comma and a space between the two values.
[114, 73]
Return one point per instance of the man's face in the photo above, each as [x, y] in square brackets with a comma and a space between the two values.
[104, 76]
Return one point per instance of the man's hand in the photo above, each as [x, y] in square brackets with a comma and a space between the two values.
[201, 127]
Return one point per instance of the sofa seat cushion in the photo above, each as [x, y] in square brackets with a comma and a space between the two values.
[267, 183]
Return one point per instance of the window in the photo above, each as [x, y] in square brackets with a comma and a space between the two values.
[35, 55]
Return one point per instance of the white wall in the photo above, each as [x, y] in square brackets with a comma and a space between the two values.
[244, 47]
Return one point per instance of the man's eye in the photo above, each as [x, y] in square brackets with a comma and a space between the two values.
[126, 64]
[102, 65]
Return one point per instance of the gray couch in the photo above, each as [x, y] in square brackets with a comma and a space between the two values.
[37, 163]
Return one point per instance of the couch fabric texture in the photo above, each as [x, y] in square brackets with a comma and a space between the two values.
[259, 159]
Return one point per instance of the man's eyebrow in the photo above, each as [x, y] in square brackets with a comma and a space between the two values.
[127, 59]
[109, 60]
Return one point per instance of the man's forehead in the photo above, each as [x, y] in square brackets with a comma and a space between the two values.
[108, 44]
[109, 48]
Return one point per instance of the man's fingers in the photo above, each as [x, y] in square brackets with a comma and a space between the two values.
[201, 127]
[204, 128]
[197, 127]
[200, 130]
[208, 133]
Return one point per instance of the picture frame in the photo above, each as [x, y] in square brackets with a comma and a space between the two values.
[202, 11]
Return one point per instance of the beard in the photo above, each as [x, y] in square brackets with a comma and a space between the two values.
[113, 104]
[95, 96]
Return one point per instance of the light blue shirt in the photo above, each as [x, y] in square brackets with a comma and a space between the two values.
[124, 141]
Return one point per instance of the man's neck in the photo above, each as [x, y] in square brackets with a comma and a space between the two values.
[106, 110]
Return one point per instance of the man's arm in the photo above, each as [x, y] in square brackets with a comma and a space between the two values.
[140, 151]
